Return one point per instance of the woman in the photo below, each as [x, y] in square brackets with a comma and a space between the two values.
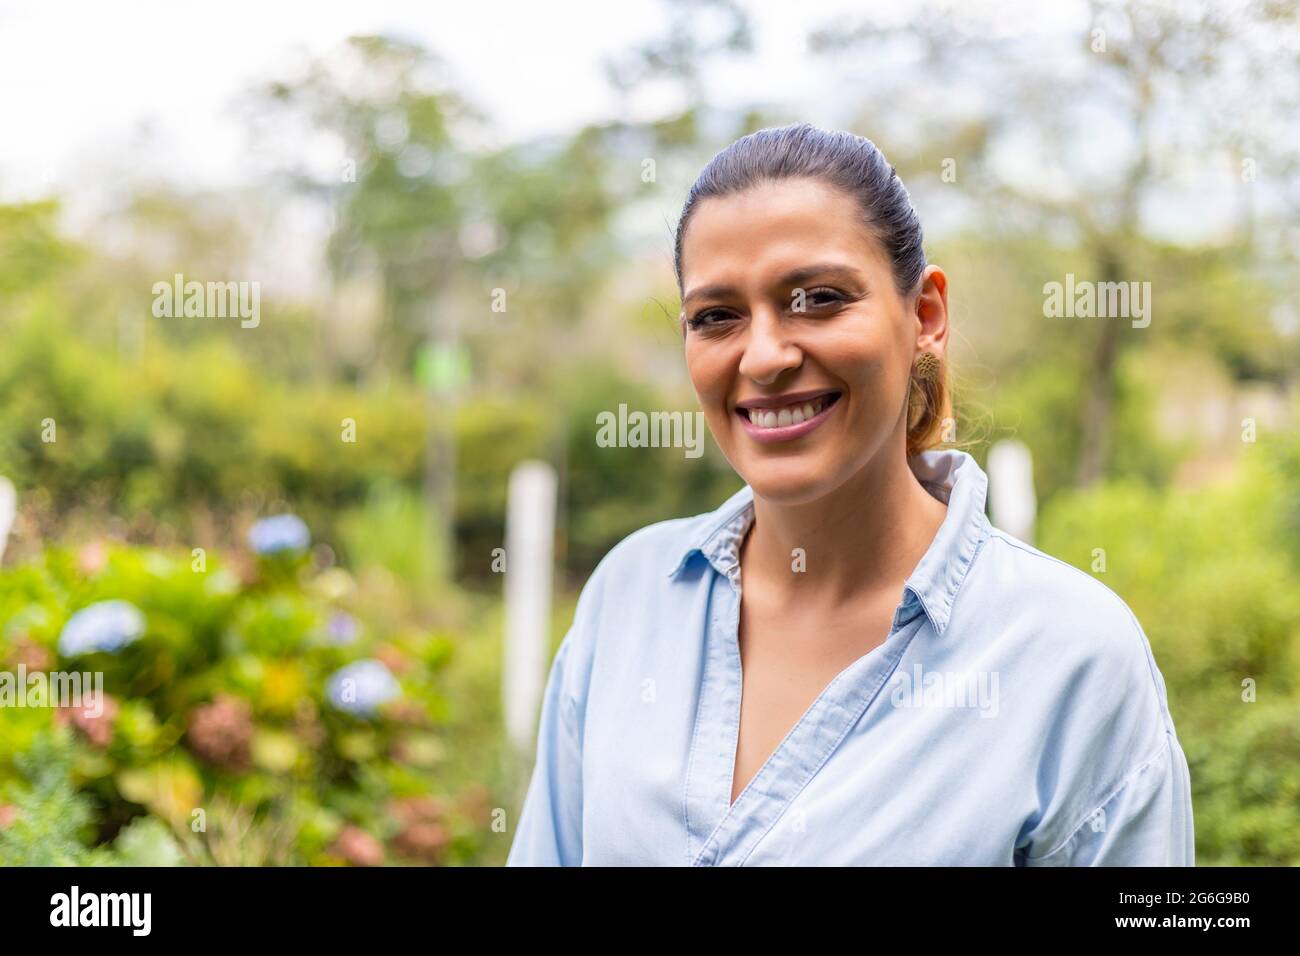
[898, 682]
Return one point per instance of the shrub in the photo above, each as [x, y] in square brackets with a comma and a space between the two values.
[227, 723]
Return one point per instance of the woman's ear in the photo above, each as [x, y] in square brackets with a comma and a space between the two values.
[932, 312]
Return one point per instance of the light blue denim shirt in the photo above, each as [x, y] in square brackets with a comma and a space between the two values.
[1014, 716]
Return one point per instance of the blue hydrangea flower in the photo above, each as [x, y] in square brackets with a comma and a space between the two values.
[278, 534]
[105, 626]
[361, 687]
[341, 629]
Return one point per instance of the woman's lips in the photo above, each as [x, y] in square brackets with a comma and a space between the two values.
[785, 432]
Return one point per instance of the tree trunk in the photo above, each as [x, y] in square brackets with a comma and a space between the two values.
[1099, 401]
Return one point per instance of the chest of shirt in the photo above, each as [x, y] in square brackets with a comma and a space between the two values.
[904, 759]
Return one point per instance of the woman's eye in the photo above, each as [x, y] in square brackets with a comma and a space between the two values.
[706, 317]
[822, 296]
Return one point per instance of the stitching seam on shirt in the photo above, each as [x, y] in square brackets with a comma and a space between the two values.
[1127, 779]
[961, 578]
[727, 814]
[695, 730]
[1157, 682]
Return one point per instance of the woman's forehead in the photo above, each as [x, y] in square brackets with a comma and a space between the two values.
[769, 230]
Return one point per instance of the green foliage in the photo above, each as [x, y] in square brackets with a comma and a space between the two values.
[31, 250]
[1245, 766]
[147, 842]
[1213, 576]
[396, 206]
[392, 530]
[181, 434]
[218, 725]
[51, 818]
[1207, 571]
[190, 443]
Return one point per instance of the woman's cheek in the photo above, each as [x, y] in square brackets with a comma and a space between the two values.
[871, 388]
[707, 371]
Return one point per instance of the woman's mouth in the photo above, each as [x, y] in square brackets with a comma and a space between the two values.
[785, 422]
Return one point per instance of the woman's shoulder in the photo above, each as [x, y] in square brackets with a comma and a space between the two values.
[1067, 616]
[653, 544]
[631, 586]
[1082, 675]
[1033, 579]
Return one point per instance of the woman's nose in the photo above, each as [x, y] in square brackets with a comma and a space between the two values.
[768, 350]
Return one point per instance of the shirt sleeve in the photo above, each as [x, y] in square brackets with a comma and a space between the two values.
[550, 824]
[1147, 821]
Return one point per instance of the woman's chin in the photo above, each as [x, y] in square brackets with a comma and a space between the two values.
[789, 483]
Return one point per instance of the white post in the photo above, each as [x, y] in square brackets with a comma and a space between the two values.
[8, 508]
[530, 541]
[1011, 489]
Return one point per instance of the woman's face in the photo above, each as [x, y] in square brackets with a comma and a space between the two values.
[797, 342]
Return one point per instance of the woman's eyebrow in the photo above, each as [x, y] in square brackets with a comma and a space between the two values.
[826, 270]
[709, 292]
[796, 277]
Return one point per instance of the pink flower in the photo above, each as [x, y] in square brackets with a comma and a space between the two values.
[358, 847]
[92, 558]
[221, 733]
[96, 728]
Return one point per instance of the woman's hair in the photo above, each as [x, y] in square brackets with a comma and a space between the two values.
[854, 165]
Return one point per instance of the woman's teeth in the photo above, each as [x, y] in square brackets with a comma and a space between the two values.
[790, 415]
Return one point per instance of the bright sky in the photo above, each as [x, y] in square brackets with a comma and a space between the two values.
[83, 79]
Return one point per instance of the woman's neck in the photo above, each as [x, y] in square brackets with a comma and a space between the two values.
[864, 537]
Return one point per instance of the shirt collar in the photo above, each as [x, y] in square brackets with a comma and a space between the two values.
[952, 476]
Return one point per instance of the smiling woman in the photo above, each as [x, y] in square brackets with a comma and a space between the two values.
[689, 722]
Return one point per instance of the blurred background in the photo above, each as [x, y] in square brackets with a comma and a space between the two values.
[280, 536]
